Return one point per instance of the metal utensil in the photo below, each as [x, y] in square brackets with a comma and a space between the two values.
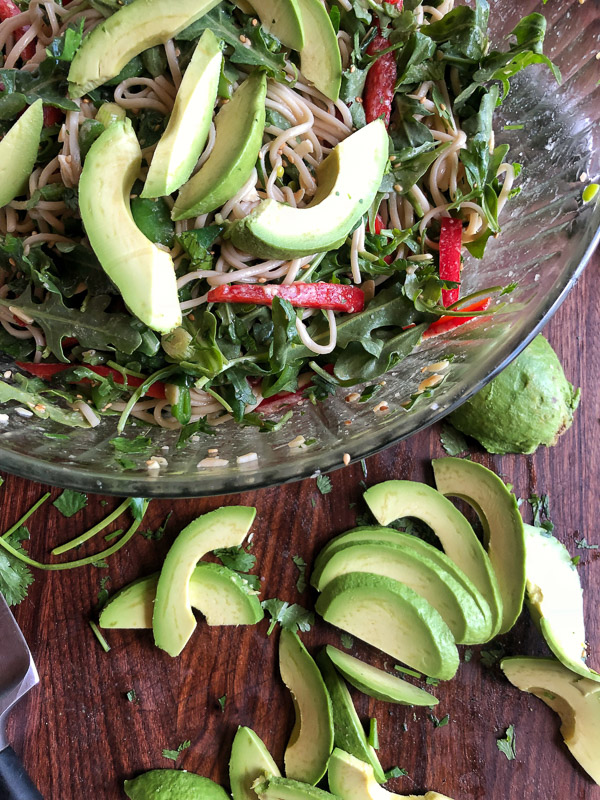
[17, 676]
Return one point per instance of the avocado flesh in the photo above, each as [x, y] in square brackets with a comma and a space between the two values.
[311, 741]
[182, 142]
[377, 683]
[166, 784]
[249, 760]
[173, 620]
[276, 788]
[320, 59]
[18, 152]
[128, 32]
[352, 779]
[502, 524]
[347, 184]
[393, 618]
[395, 499]
[143, 273]
[575, 699]
[220, 594]
[239, 132]
[349, 733]
[555, 599]
[282, 19]
[455, 605]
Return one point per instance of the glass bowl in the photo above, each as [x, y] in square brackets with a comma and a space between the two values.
[548, 235]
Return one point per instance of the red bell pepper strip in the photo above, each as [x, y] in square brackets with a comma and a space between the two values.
[9, 9]
[332, 296]
[52, 116]
[379, 85]
[450, 247]
[446, 324]
[48, 371]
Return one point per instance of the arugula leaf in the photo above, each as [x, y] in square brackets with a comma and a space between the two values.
[48, 82]
[507, 745]
[236, 558]
[173, 755]
[194, 345]
[37, 265]
[453, 441]
[15, 576]
[63, 48]
[301, 567]
[40, 406]
[324, 484]
[18, 349]
[463, 31]
[415, 62]
[200, 426]
[284, 332]
[356, 365]
[291, 617]
[70, 502]
[266, 425]
[197, 244]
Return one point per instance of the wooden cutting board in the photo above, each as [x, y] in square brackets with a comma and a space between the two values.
[80, 736]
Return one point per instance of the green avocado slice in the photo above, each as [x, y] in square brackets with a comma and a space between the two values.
[311, 741]
[377, 683]
[239, 131]
[173, 620]
[349, 733]
[128, 32]
[276, 788]
[575, 699]
[249, 761]
[347, 184]
[392, 617]
[499, 513]
[219, 593]
[320, 59]
[182, 142]
[143, 273]
[167, 784]
[282, 19]
[555, 599]
[18, 152]
[394, 499]
[422, 574]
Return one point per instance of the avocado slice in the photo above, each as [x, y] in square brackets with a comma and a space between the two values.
[249, 760]
[454, 603]
[166, 784]
[173, 620]
[352, 779]
[221, 595]
[555, 599]
[377, 683]
[575, 699]
[311, 741]
[182, 142]
[143, 273]
[239, 131]
[282, 19]
[18, 152]
[348, 730]
[128, 32]
[320, 59]
[276, 788]
[392, 617]
[502, 524]
[347, 184]
[394, 499]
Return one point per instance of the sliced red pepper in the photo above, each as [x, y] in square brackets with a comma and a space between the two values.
[52, 116]
[48, 371]
[381, 79]
[9, 9]
[450, 248]
[332, 296]
[445, 324]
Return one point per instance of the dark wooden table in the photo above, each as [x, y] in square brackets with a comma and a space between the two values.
[80, 736]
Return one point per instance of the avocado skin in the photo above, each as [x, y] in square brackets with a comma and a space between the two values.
[529, 404]
[166, 784]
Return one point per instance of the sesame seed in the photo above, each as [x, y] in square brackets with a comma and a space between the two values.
[39, 408]
[346, 459]
[213, 462]
[382, 383]
[152, 464]
[297, 442]
[430, 382]
[23, 412]
[598, 56]
[347, 422]
[3, 419]
[381, 408]
[262, 280]
[246, 458]
[352, 68]
[397, 187]
[12, 262]
[583, 177]
[212, 451]
[358, 99]
[7, 374]
[352, 397]
[242, 38]
[254, 22]
[439, 366]
[442, 106]
[194, 439]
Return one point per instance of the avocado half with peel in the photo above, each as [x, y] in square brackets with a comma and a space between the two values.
[18, 152]
[347, 184]
[349, 733]
[173, 620]
[311, 741]
[395, 499]
[143, 273]
[352, 779]
[249, 760]
[392, 617]
[555, 599]
[181, 144]
[320, 59]
[376, 683]
[221, 595]
[239, 127]
[166, 784]
[499, 514]
[270, 787]
[575, 699]
[414, 569]
[127, 33]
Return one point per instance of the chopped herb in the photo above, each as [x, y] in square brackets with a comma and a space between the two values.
[347, 641]
[468, 655]
[453, 441]
[141, 444]
[301, 567]
[324, 484]
[193, 428]
[432, 681]
[540, 507]
[236, 558]
[222, 701]
[313, 502]
[507, 745]
[575, 560]
[173, 755]
[291, 617]
[110, 536]
[100, 564]
[439, 723]
[373, 737]
[15, 576]
[363, 465]
[70, 502]
[583, 544]
[57, 436]
[157, 535]
[131, 696]
[515, 127]
[396, 772]
[103, 593]
[103, 503]
[407, 671]
[368, 392]
[104, 644]
[138, 507]
[492, 655]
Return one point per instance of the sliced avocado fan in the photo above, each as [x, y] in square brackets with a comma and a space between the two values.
[18, 152]
[249, 761]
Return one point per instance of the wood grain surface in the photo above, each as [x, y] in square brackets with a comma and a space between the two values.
[80, 736]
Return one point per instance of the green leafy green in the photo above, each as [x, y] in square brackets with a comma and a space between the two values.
[236, 558]
[301, 567]
[140, 444]
[64, 47]
[173, 755]
[70, 502]
[15, 576]
[40, 406]
[507, 745]
[324, 484]
[347, 641]
[291, 617]
[453, 441]
[395, 772]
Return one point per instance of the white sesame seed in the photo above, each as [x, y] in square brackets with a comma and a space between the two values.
[213, 462]
[297, 442]
[346, 458]
[7, 374]
[583, 177]
[439, 366]
[246, 458]
[165, 447]
[381, 408]
[212, 451]
[430, 382]
[352, 397]
[39, 407]
[152, 464]
[23, 412]
[3, 419]
[195, 439]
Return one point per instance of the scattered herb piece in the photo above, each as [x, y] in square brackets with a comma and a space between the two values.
[131, 696]
[173, 755]
[432, 681]
[103, 593]
[291, 617]
[540, 506]
[20, 522]
[507, 745]
[193, 428]
[70, 502]
[363, 465]
[313, 502]
[236, 558]
[575, 560]
[347, 641]
[157, 535]
[104, 644]
[100, 564]
[373, 737]
[368, 392]
[15, 577]
[583, 544]
[301, 567]
[407, 671]
[492, 655]
[395, 772]
[516, 127]
[439, 723]
[138, 507]
[113, 535]
[453, 441]
[468, 655]
[324, 484]
[222, 701]
[141, 444]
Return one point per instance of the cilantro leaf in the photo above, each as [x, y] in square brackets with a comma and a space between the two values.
[236, 558]
[70, 502]
[222, 701]
[157, 535]
[301, 567]
[141, 444]
[103, 593]
[131, 696]
[173, 755]
[291, 617]
[138, 507]
[15, 576]
[439, 723]
[583, 544]
[453, 441]
[347, 641]
[324, 484]
[395, 772]
[507, 745]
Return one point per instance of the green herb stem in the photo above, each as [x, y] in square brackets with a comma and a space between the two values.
[84, 537]
[25, 516]
[97, 633]
[123, 370]
[141, 390]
